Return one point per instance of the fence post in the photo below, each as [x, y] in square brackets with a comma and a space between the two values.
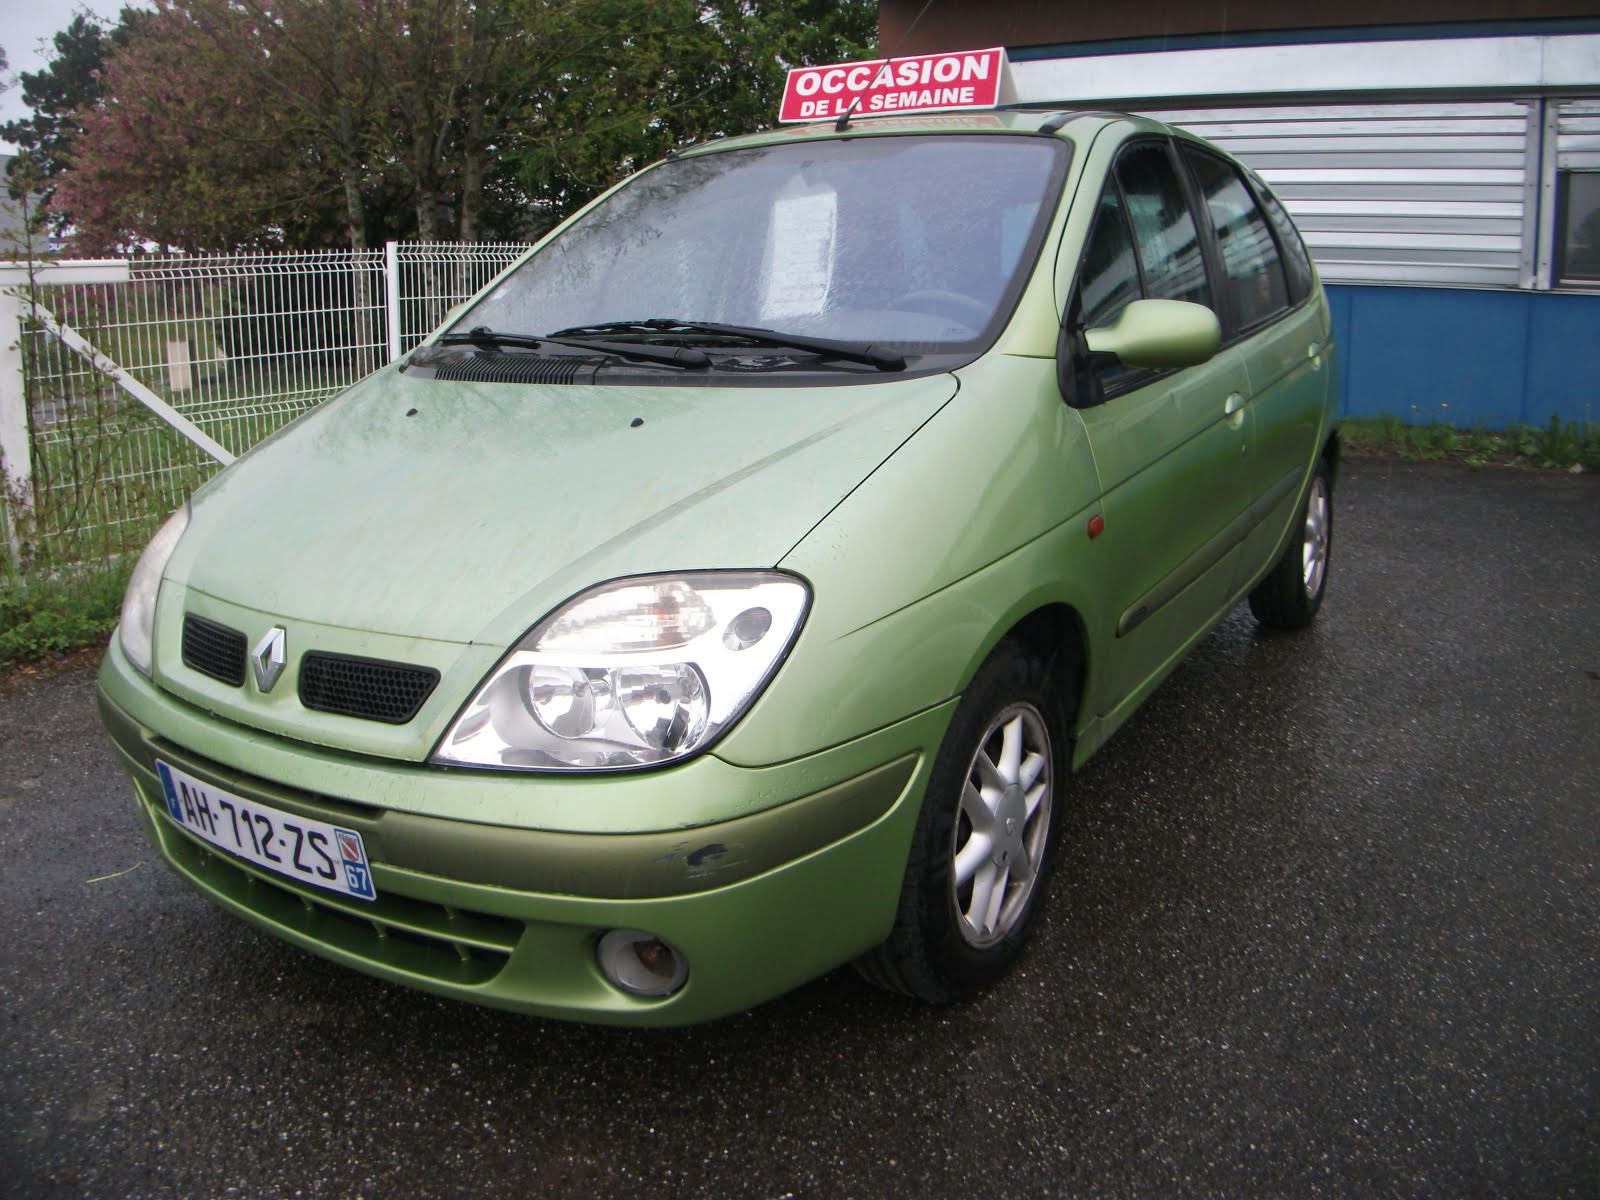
[16, 453]
[391, 290]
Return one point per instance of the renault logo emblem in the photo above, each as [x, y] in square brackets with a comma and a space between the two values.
[267, 659]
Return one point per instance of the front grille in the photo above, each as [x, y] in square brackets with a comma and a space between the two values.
[416, 936]
[368, 688]
[213, 650]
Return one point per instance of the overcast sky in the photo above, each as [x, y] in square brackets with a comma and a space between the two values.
[24, 26]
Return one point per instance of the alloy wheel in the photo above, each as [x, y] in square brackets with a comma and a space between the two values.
[1004, 825]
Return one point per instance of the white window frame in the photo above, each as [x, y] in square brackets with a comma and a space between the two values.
[1553, 161]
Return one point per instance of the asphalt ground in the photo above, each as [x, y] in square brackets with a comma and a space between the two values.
[1326, 924]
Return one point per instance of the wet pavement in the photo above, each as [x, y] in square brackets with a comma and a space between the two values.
[1327, 923]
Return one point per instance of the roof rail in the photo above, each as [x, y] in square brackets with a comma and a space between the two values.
[1053, 124]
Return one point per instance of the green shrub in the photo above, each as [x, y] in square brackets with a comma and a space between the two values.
[1441, 439]
[1556, 445]
[1423, 442]
[1559, 445]
[1589, 448]
[44, 616]
[1389, 430]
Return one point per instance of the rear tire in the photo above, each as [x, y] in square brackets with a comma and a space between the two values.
[981, 852]
[1291, 594]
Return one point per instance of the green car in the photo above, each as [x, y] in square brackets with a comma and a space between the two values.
[730, 591]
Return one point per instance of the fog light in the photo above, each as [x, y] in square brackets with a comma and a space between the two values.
[641, 964]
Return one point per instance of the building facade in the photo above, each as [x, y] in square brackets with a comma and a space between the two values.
[1441, 159]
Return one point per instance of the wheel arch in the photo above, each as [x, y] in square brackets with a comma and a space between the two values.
[1056, 630]
[1332, 453]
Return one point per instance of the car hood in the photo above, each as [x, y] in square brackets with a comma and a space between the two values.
[464, 512]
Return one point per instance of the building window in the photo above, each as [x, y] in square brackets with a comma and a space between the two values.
[1578, 227]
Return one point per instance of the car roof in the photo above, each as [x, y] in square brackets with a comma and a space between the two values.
[1075, 125]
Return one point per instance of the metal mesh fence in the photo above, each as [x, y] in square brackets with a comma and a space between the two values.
[431, 278]
[240, 345]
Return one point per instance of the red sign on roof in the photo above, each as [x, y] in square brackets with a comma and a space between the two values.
[921, 83]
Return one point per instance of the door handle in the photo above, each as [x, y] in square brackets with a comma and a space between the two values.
[1233, 414]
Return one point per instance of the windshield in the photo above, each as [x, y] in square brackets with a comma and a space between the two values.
[908, 240]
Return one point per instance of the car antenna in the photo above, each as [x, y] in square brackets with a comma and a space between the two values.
[843, 123]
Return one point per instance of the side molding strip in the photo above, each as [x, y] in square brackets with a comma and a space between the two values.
[1209, 555]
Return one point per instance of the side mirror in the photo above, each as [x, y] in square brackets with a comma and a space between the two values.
[1159, 334]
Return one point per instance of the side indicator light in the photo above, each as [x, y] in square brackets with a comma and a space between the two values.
[1097, 525]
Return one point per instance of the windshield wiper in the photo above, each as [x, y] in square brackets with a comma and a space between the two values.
[884, 360]
[482, 335]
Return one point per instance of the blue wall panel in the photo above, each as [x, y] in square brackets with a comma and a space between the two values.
[1563, 360]
[1470, 357]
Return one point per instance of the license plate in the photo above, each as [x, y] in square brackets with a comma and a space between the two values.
[313, 852]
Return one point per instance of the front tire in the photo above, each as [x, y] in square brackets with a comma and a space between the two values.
[1288, 598]
[981, 851]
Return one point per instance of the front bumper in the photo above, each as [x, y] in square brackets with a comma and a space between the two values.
[784, 873]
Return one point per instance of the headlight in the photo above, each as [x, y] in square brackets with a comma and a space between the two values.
[631, 674]
[139, 602]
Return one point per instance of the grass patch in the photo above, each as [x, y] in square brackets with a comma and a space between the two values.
[1560, 445]
[46, 616]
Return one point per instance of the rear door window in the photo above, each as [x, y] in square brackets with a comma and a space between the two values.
[1257, 287]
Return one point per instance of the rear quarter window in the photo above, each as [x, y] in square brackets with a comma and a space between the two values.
[1296, 260]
